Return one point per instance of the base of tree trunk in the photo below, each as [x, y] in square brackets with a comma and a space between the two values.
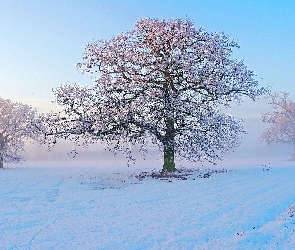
[1, 163]
[169, 165]
[169, 168]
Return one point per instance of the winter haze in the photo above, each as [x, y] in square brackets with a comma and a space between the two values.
[42, 41]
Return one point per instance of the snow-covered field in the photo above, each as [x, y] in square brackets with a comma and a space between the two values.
[93, 208]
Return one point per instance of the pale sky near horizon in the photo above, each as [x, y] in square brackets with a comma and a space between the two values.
[42, 40]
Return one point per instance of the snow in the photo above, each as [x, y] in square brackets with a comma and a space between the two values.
[250, 207]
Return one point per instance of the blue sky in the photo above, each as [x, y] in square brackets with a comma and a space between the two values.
[41, 41]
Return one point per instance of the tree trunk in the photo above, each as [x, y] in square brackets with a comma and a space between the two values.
[169, 164]
[1, 162]
[168, 143]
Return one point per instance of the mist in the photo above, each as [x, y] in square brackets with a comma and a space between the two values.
[250, 151]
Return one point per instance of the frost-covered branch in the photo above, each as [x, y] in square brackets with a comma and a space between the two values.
[164, 80]
[18, 122]
[282, 120]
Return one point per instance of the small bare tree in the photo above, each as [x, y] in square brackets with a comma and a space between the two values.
[164, 80]
[282, 120]
[17, 123]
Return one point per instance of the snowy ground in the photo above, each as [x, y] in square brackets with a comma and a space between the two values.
[91, 208]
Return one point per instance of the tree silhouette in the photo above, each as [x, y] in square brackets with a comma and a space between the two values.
[282, 120]
[17, 123]
[163, 81]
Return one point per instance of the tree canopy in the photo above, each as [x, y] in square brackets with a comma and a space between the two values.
[163, 81]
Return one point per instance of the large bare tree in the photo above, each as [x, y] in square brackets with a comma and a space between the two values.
[282, 120]
[163, 81]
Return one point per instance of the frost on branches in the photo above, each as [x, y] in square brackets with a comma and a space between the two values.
[282, 121]
[17, 123]
[164, 81]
